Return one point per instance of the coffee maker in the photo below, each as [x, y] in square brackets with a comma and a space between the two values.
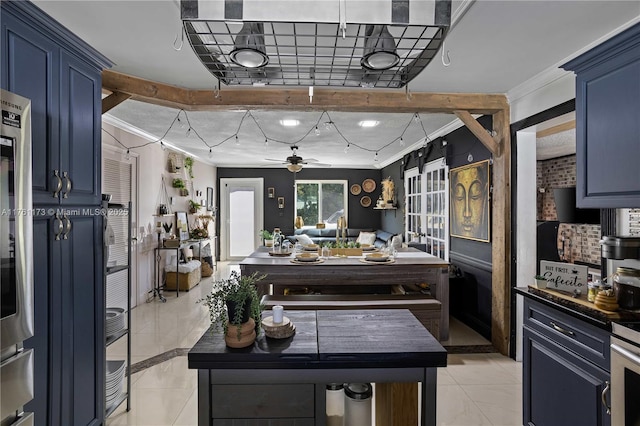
[622, 253]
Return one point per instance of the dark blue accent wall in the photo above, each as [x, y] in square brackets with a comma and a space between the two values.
[283, 181]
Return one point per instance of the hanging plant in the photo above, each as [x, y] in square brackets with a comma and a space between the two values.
[188, 164]
[178, 183]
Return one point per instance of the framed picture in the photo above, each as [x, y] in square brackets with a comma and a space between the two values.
[271, 192]
[209, 204]
[182, 226]
[469, 201]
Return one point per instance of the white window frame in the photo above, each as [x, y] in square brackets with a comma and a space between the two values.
[417, 216]
[320, 182]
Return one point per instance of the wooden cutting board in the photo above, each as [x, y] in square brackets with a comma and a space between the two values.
[582, 302]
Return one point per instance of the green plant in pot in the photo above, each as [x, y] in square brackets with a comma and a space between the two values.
[178, 183]
[194, 206]
[188, 164]
[234, 305]
[267, 237]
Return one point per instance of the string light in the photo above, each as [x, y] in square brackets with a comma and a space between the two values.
[327, 124]
[375, 158]
[127, 155]
[266, 143]
[470, 157]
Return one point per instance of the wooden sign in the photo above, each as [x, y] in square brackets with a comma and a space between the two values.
[564, 276]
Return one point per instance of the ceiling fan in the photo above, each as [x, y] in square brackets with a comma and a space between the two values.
[294, 162]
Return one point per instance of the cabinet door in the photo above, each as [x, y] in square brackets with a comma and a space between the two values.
[608, 123]
[80, 118]
[560, 388]
[47, 326]
[83, 358]
[30, 68]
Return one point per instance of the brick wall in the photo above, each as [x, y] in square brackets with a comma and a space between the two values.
[581, 242]
[554, 173]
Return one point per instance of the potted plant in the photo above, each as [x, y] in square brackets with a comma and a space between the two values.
[194, 206]
[181, 186]
[235, 302]
[540, 281]
[188, 164]
[267, 237]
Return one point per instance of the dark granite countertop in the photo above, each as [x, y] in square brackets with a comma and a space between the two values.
[580, 309]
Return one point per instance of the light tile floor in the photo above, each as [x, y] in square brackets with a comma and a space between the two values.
[474, 389]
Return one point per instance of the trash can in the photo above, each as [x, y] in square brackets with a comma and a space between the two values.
[357, 404]
[335, 404]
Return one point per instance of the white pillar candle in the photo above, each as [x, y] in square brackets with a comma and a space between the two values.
[277, 314]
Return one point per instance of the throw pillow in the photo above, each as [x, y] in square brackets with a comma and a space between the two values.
[396, 241]
[366, 238]
[304, 239]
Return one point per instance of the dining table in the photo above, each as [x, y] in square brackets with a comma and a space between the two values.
[408, 266]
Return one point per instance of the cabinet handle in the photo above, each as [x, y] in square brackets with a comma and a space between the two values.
[65, 194]
[56, 174]
[607, 387]
[65, 236]
[60, 227]
[560, 329]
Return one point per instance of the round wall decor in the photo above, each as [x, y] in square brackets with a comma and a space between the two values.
[365, 201]
[355, 189]
[369, 185]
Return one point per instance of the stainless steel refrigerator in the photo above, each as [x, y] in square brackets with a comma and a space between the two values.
[16, 260]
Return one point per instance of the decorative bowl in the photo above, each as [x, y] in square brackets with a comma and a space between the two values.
[307, 257]
[377, 257]
[310, 247]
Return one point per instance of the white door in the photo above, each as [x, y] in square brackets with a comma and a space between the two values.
[241, 216]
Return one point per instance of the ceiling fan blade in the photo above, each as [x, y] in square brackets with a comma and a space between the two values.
[317, 165]
[273, 159]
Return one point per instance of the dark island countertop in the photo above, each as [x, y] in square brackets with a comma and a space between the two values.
[578, 308]
[385, 338]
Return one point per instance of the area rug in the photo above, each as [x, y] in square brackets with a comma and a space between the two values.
[470, 349]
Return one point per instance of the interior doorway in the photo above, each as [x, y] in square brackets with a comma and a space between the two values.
[241, 215]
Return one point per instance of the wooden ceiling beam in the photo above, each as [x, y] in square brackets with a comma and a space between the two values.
[556, 129]
[298, 98]
[114, 99]
[479, 132]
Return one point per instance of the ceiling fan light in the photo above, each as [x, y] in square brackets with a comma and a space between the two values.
[294, 168]
[379, 49]
[249, 49]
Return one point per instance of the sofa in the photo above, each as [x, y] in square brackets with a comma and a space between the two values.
[328, 235]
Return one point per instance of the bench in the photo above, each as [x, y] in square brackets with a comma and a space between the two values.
[426, 310]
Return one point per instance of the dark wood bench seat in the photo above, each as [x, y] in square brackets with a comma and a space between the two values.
[425, 309]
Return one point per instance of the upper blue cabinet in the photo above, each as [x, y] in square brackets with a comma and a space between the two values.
[61, 75]
[608, 122]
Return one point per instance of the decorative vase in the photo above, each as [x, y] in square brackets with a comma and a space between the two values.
[241, 336]
[232, 306]
[299, 223]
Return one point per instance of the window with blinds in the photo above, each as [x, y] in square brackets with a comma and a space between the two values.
[116, 180]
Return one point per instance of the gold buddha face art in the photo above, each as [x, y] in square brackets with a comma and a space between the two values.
[469, 190]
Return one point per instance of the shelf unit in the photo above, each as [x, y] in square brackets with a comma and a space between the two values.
[124, 333]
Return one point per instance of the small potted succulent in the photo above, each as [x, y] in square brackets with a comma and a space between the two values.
[194, 206]
[540, 281]
[267, 237]
[234, 305]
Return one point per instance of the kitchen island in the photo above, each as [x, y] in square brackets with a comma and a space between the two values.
[410, 266]
[284, 380]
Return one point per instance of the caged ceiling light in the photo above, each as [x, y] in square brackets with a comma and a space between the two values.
[372, 44]
[379, 48]
[249, 49]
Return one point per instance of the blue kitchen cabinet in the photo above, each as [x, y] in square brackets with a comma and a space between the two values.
[566, 369]
[61, 75]
[608, 122]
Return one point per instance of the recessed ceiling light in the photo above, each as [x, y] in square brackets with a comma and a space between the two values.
[289, 123]
[368, 123]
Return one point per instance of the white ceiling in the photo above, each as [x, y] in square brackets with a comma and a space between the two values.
[494, 46]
